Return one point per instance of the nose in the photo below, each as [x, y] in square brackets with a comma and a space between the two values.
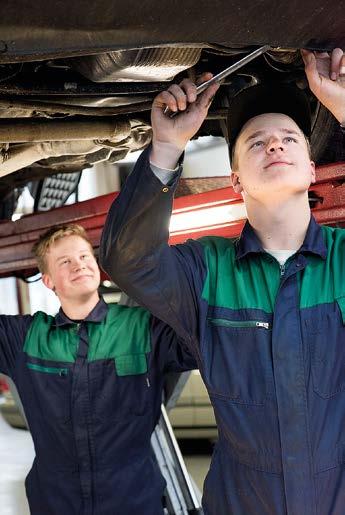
[78, 264]
[274, 144]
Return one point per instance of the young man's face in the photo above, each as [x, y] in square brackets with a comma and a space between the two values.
[72, 270]
[272, 158]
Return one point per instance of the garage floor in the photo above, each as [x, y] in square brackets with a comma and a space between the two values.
[17, 454]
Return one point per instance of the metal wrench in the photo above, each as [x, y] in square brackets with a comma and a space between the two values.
[220, 76]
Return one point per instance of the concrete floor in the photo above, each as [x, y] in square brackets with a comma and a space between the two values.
[17, 454]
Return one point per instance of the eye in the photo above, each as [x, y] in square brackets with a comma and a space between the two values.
[257, 144]
[290, 139]
[84, 256]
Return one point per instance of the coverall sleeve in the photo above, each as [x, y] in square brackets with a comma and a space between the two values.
[13, 331]
[172, 354]
[134, 251]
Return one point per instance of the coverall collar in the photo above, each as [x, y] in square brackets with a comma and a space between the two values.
[314, 242]
[98, 314]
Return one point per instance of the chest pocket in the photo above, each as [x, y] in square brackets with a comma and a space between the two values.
[326, 337]
[120, 387]
[50, 391]
[239, 365]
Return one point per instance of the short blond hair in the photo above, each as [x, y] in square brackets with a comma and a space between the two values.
[42, 245]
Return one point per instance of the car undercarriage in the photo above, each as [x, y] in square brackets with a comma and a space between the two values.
[77, 83]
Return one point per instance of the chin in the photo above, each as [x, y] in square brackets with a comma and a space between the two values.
[282, 182]
[87, 289]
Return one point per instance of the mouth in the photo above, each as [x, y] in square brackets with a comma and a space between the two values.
[81, 278]
[277, 163]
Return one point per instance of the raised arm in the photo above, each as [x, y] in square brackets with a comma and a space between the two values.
[135, 253]
[170, 135]
[326, 76]
[13, 331]
[134, 249]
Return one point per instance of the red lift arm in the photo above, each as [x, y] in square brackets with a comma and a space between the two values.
[225, 217]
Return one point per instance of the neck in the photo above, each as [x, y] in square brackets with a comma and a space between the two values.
[280, 225]
[78, 309]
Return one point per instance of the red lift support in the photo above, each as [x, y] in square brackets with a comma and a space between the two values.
[327, 196]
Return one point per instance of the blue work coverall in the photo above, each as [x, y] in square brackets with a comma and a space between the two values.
[269, 342]
[92, 392]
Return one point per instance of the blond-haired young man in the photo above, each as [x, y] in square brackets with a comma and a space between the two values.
[90, 380]
[264, 315]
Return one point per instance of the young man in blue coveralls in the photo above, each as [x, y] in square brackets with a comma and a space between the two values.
[264, 315]
[91, 380]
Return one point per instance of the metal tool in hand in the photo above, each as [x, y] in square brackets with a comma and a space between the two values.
[220, 76]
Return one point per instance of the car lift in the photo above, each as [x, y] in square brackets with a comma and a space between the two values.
[327, 198]
[225, 214]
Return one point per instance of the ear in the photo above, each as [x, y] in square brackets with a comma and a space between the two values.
[47, 281]
[236, 183]
[313, 172]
